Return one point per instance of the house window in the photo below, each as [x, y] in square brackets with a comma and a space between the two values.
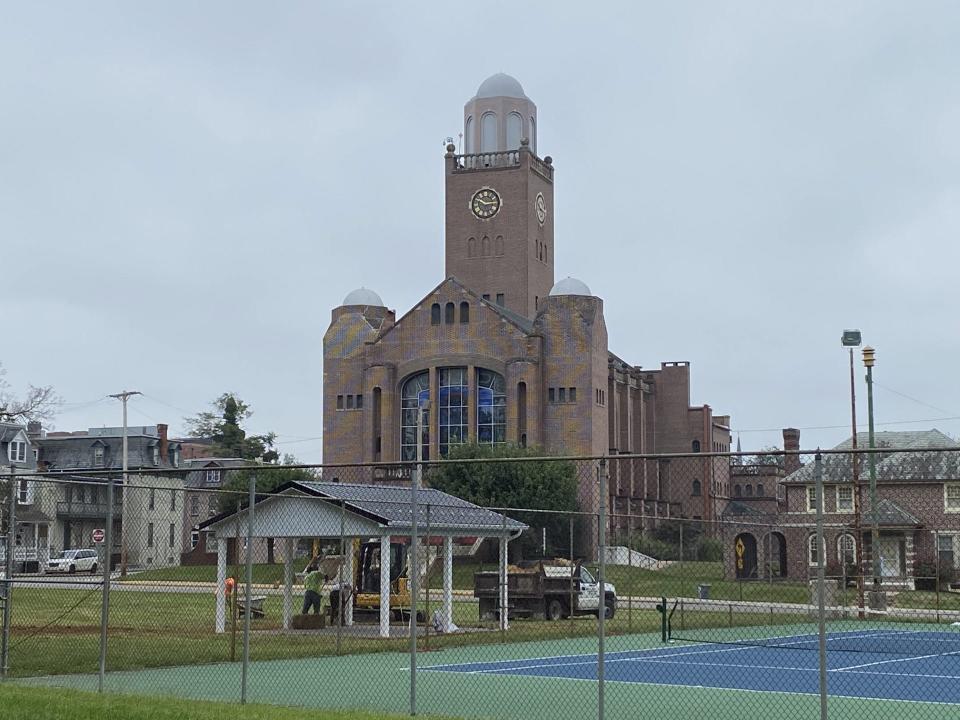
[98, 456]
[149, 534]
[23, 492]
[153, 498]
[464, 312]
[696, 488]
[156, 456]
[194, 538]
[846, 550]
[194, 505]
[500, 299]
[844, 498]
[17, 451]
[435, 314]
[173, 529]
[448, 314]
[951, 497]
[813, 556]
[811, 498]
[945, 549]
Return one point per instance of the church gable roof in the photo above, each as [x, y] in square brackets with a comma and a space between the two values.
[452, 290]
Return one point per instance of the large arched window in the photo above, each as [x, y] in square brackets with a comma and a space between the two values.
[847, 550]
[491, 407]
[514, 130]
[813, 549]
[468, 135]
[488, 132]
[414, 395]
[435, 314]
[452, 408]
[464, 312]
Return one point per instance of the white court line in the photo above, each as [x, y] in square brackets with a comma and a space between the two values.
[896, 660]
[901, 674]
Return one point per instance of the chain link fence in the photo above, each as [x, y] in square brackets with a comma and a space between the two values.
[800, 585]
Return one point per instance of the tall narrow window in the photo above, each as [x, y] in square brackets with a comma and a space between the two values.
[498, 245]
[376, 422]
[737, 491]
[491, 407]
[98, 456]
[533, 134]
[522, 411]
[453, 417]
[464, 312]
[514, 130]
[749, 490]
[572, 395]
[173, 530]
[696, 488]
[149, 534]
[472, 247]
[500, 299]
[759, 489]
[488, 132]
[468, 135]
[696, 446]
[414, 395]
[435, 314]
[485, 246]
[448, 313]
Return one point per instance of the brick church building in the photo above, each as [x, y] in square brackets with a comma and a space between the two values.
[500, 350]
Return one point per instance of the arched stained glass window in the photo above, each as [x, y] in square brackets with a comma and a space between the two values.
[414, 395]
[452, 408]
[488, 132]
[514, 130]
[491, 407]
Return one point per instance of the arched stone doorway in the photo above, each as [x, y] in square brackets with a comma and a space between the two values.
[774, 551]
[745, 553]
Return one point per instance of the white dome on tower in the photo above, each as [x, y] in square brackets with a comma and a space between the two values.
[571, 286]
[363, 296]
[500, 85]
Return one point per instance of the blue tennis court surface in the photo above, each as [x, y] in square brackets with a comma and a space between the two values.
[914, 666]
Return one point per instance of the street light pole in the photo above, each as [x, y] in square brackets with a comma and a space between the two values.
[852, 339]
[123, 397]
[868, 361]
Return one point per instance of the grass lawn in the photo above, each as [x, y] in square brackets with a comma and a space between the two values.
[37, 703]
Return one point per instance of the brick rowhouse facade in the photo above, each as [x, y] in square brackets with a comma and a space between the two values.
[512, 355]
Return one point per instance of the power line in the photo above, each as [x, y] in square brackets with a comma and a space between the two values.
[838, 427]
[908, 397]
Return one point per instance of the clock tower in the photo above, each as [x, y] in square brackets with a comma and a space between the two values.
[499, 200]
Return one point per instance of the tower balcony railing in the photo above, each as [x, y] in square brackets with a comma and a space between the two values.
[484, 161]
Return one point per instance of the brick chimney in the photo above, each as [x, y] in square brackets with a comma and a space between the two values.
[791, 444]
[164, 444]
[34, 430]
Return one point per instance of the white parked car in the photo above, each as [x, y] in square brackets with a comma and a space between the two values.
[71, 561]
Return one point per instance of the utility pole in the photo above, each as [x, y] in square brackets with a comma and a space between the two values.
[852, 339]
[123, 397]
[868, 361]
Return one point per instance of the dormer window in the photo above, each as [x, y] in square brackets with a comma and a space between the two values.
[175, 460]
[156, 455]
[17, 451]
[98, 456]
[213, 477]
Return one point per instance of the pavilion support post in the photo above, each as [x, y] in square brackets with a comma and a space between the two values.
[448, 580]
[348, 573]
[287, 582]
[221, 615]
[385, 586]
[504, 600]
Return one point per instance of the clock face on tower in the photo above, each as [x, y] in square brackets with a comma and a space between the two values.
[485, 203]
[541, 208]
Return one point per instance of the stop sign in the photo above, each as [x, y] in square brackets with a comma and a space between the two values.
[98, 535]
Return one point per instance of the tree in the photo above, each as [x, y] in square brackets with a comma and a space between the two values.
[223, 425]
[549, 485]
[39, 403]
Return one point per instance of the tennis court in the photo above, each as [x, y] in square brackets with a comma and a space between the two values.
[879, 664]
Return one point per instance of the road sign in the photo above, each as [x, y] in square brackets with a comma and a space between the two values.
[98, 535]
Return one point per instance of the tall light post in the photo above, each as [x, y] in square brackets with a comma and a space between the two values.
[868, 361]
[852, 339]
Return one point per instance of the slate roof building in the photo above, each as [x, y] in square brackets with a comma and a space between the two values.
[152, 511]
[917, 513]
[18, 453]
[501, 350]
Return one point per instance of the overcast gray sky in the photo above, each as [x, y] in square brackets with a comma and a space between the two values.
[186, 190]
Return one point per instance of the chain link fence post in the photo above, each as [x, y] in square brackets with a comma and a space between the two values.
[105, 602]
[821, 590]
[247, 608]
[8, 574]
[602, 606]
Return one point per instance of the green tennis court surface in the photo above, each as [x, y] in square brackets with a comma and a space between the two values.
[381, 682]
